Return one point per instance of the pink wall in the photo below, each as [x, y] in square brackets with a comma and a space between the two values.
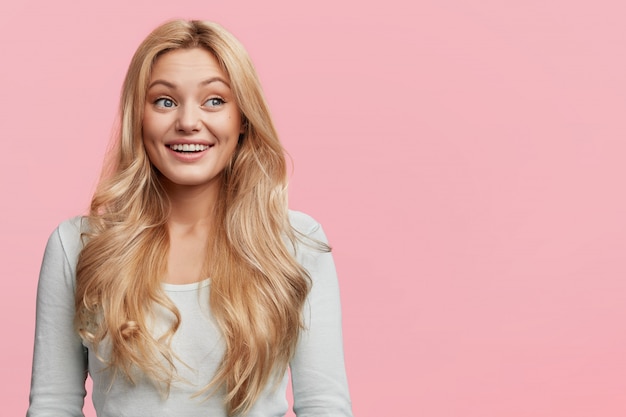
[467, 160]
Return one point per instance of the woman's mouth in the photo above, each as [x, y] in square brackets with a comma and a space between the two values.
[188, 147]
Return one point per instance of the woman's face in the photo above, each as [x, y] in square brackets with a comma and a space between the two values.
[191, 121]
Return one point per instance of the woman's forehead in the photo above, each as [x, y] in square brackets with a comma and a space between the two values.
[192, 62]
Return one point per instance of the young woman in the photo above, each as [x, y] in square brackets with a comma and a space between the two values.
[190, 288]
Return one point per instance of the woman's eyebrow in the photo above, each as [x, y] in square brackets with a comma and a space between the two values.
[173, 86]
[214, 79]
[162, 82]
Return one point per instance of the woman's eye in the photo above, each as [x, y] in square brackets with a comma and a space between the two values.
[164, 102]
[214, 102]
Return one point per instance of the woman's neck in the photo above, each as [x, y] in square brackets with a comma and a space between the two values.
[190, 226]
[192, 206]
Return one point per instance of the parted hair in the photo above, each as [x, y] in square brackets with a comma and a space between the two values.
[258, 289]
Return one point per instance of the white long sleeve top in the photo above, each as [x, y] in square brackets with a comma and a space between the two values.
[62, 361]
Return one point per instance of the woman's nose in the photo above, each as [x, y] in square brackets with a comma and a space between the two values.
[189, 119]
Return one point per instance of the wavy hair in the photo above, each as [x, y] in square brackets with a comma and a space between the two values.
[258, 289]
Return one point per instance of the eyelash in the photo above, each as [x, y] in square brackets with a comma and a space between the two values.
[221, 101]
[156, 102]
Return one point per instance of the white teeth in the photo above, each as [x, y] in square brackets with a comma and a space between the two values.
[195, 147]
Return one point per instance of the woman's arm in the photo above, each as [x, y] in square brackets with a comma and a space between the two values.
[59, 360]
[320, 387]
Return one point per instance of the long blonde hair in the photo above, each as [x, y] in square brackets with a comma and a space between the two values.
[257, 287]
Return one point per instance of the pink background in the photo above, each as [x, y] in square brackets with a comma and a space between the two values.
[467, 160]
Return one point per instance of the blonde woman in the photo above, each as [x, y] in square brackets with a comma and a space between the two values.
[190, 289]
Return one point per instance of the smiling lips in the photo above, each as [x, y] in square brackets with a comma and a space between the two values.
[188, 147]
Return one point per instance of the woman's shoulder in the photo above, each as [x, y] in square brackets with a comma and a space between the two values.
[310, 240]
[67, 237]
[72, 227]
[70, 230]
[303, 223]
